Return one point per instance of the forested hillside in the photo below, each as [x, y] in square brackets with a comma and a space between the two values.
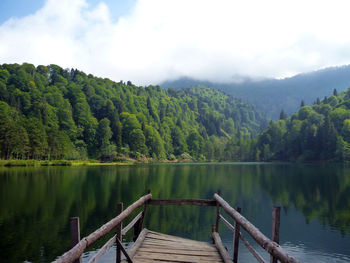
[270, 96]
[320, 132]
[47, 112]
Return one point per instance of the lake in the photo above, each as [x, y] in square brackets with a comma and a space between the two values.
[36, 204]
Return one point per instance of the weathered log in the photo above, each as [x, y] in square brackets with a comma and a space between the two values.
[246, 243]
[103, 250]
[79, 248]
[272, 247]
[131, 224]
[132, 251]
[276, 215]
[217, 213]
[221, 248]
[123, 250]
[119, 234]
[236, 239]
[199, 202]
[75, 233]
[227, 223]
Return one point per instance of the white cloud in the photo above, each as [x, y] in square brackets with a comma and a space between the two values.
[166, 39]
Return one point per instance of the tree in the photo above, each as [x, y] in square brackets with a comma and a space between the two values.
[335, 92]
[137, 141]
[179, 141]
[103, 136]
[346, 130]
[302, 104]
[195, 143]
[154, 142]
[129, 123]
[283, 115]
[37, 139]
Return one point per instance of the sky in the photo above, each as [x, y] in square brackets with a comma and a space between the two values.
[150, 41]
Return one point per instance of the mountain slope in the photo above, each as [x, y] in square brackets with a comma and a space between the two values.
[47, 112]
[320, 132]
[270, 96]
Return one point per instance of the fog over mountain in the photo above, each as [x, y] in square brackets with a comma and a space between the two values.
[270, 96]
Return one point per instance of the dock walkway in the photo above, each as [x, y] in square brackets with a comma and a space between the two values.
[151, 246]
[165, 248]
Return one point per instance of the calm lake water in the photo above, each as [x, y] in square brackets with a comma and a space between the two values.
[36, 204]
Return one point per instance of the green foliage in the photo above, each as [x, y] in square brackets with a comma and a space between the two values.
[320, 132]
[50, 113]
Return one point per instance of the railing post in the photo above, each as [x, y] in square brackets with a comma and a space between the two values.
[143, 213]
[217, 213]
[139, 224]
[212, 231]
[236, 239]
[137, 229]
[119, 234]
[276, 216]
[75, 233]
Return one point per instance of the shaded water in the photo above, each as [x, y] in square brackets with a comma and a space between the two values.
[36, 203]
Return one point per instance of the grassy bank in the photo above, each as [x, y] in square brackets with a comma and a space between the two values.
[12, 163]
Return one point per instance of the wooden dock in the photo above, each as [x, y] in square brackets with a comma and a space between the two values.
[151, 246]
[158, 247]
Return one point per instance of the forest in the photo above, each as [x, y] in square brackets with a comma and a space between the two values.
[51, 113]
[320, 132]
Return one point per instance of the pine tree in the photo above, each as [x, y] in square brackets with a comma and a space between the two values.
[283, 115]
[335, 92]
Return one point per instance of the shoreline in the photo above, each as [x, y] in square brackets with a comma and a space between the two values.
[39, 163]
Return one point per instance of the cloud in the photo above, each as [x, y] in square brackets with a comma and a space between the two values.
[166, 39]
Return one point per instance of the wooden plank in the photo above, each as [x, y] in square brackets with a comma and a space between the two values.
[175, 239]
[161, 235]
[199, 202]
[144, 260]
[102, 250]
[79, 248]
[171, 257]
[272, 247]
[181, 247]
[221, 248]
[156, 240]
[169, 243]
[132, 251]
[131, 224]
[178, 251]
[169, 252]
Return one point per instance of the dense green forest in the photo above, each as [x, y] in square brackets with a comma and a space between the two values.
[320, 132]
[47, 112]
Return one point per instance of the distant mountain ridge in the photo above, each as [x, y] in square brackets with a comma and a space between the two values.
[270, 96]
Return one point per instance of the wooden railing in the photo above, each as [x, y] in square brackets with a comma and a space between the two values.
[76, 252]
[271, 246]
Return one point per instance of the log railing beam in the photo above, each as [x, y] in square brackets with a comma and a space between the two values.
[270, 246]
[79, 248]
